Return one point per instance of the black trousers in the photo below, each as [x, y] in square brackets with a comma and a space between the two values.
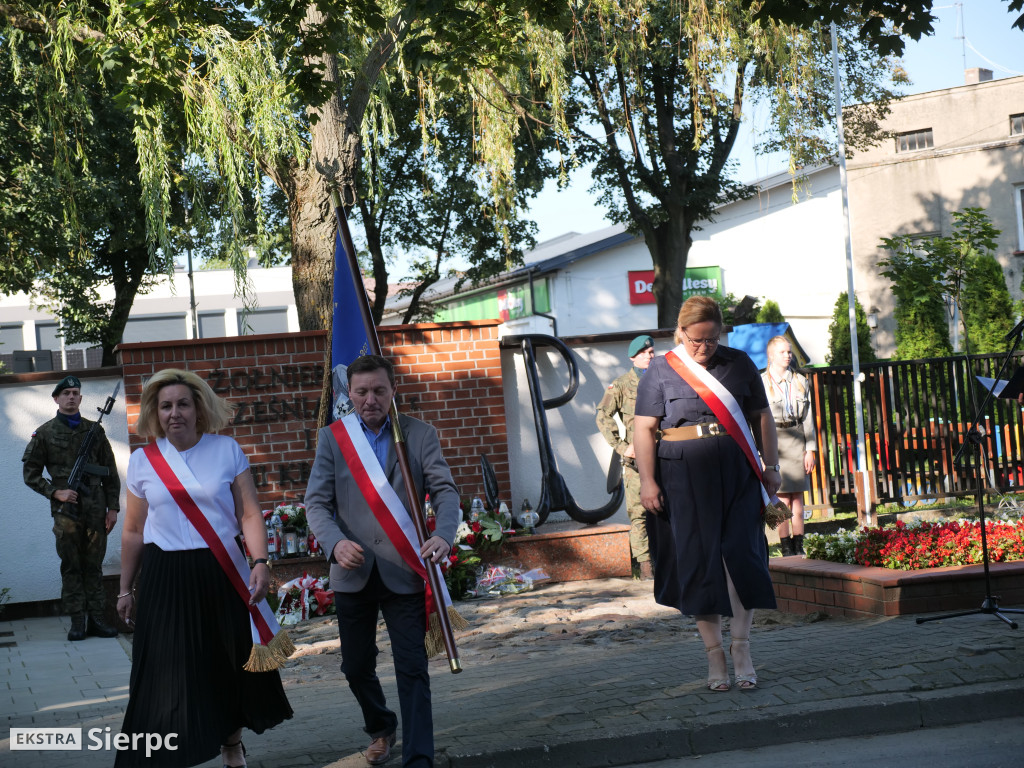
[405, 617]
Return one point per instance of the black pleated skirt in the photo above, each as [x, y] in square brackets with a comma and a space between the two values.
[713, 519]
[191, 639]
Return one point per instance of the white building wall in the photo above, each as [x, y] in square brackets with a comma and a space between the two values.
[792, 253]
[214, 291]
[29, 565]
[581, 454]
[591, 296]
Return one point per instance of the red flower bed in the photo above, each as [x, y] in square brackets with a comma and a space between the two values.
[931, 545]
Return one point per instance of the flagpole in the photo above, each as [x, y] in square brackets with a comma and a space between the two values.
[418, 519]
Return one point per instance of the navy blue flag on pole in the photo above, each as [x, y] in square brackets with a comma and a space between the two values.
[349, 335]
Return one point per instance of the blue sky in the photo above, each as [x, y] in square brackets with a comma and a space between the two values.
[975, 33]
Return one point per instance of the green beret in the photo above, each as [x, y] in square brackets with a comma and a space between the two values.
[639, 344]
[66, 383]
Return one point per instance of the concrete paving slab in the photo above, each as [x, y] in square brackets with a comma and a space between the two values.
[580, 675]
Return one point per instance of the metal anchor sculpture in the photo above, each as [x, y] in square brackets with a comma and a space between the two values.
[554, 495]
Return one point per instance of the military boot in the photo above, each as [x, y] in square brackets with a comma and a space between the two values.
[100, 628]
[786, 546]
[798, 544]
[77, 631]
[646, 571]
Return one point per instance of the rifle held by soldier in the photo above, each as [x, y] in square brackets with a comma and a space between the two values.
[82, 467]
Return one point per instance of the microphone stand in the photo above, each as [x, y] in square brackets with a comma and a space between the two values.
[975, 438]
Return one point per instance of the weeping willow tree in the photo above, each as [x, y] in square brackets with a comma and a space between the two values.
[242, 93]
[658, 94]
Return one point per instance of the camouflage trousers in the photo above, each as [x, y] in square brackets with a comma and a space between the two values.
[81, 549]
[637, 515]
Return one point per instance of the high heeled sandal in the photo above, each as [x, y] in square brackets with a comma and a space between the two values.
[231, 746]
[745, 682]
[718, 685]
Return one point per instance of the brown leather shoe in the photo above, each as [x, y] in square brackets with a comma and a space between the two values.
[379, 751]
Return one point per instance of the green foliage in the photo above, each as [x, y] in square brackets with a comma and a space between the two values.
[922, 331]
[839, 347]
[429, 202]
[285, 92]
[732, 314]
[665, 85]
[987, 307]
[961, 266]
[884, 23]
[76, 242]
[770, 313]
[75, 237]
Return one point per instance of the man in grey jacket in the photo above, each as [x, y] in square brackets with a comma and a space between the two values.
[354, 475]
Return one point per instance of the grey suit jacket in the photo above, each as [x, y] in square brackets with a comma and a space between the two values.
[336, 509]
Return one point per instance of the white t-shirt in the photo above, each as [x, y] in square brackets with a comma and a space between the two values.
[216, 460]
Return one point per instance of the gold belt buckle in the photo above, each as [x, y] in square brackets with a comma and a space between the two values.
[714, 429]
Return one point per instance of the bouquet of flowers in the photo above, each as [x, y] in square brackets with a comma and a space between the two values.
[480, 530]
[495, 580]
[292, 515]
[303, 597]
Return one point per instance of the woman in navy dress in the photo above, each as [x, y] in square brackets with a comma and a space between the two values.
[711, 557]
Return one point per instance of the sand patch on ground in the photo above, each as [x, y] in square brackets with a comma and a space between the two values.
[582, 613]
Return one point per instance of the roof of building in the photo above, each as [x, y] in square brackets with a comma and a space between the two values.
[549, 256]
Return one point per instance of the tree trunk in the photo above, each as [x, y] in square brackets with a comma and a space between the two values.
[332, 164]
[313, 229]
[669, 244]
[127, 273]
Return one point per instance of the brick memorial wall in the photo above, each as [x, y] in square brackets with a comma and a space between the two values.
[449, 374]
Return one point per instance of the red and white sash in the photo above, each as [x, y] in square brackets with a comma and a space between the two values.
[192, 498]
[385, 504]
[723, 405]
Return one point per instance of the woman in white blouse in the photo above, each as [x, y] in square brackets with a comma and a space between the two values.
[193, 634]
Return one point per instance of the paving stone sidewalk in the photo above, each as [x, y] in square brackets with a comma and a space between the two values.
[578, 674]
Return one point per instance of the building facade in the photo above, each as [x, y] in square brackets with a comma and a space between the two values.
[164, 314]
[952, 149]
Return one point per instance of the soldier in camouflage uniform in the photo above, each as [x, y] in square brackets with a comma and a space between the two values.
[81, 522]
[620, 398]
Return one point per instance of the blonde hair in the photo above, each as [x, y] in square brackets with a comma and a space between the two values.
[774, 341]
[697, 309]
[212, 412]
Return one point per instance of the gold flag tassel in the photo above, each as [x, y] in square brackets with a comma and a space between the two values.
[433, 642]
[776, 514]
[273, 655]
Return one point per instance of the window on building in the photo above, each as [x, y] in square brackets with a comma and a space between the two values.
[914, 141]
[1019, 195]
[11, 338]
[263, 321]
[211, 325]
[1017, 125]
[48, 337]
[154, 328]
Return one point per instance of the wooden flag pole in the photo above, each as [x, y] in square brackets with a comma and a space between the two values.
[418, 518]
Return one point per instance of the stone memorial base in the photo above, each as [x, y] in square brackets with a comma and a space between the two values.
[564, 551]
[570, 551]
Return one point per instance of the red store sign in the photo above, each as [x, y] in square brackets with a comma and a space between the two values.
[641, 286]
